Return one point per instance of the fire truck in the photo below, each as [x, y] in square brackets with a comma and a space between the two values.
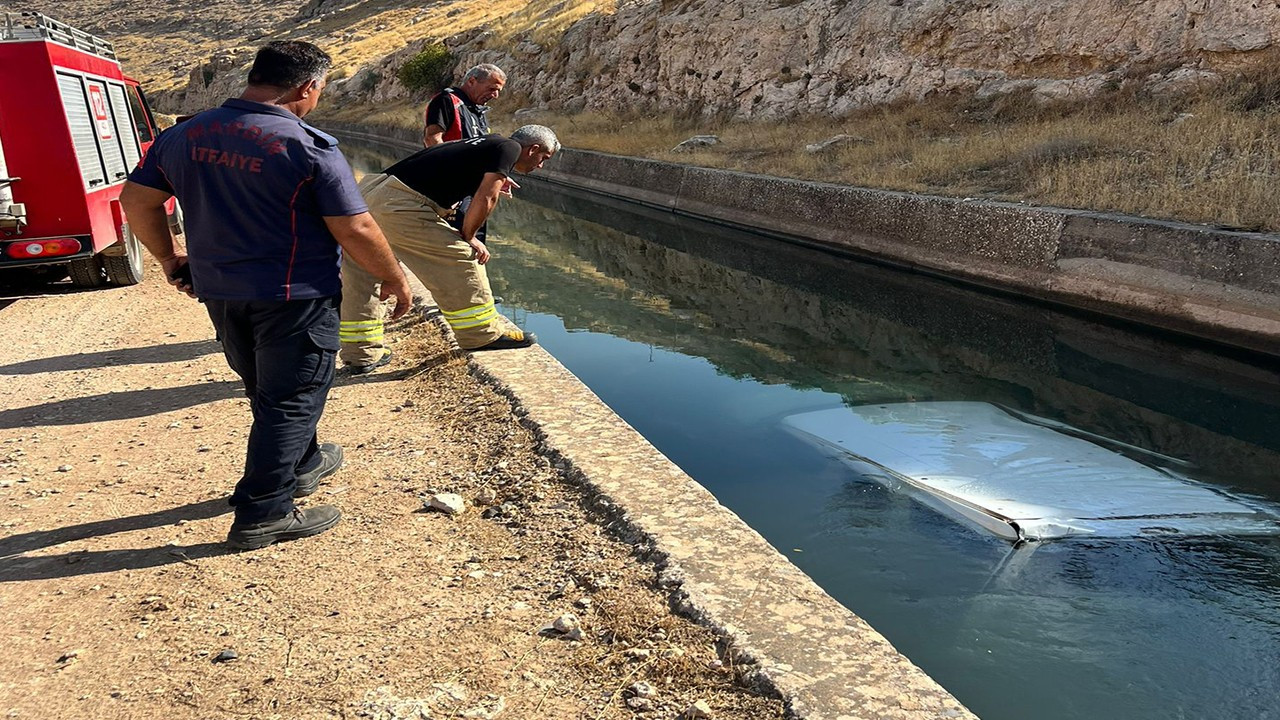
[72, 126]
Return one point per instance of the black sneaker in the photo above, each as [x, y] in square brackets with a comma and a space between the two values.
[508, 341]
[330, 461]
[370, 367]
[297, 524]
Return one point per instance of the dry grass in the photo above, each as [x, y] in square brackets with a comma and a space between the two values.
[162, 54]
[368, 31]
[1211, 158]
[1206, 159]
[548, 20]
[404, 114]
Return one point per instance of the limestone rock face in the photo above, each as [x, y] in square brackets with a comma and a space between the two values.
[771, 59]
[774, 58]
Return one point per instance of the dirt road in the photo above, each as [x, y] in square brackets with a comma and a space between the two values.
[121, 434]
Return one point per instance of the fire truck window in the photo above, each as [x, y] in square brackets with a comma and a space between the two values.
[141, 116]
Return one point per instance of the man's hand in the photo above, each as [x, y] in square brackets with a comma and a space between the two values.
[144, 207]
[399, 289]
[483, 201]
[178, 273]
[479, 252]
[508, 186]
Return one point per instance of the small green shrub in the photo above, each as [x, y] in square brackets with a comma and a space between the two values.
[428, 70]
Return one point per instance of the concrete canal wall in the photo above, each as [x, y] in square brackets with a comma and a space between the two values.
[1211, 284]
[1194, 280]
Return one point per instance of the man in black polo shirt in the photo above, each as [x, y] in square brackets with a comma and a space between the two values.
[413, 201]
[268, 201]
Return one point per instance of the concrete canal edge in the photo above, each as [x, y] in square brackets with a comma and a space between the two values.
[825, 661]
[1193, 280]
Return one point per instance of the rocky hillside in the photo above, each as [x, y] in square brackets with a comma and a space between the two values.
[769, 58]
[737, 58]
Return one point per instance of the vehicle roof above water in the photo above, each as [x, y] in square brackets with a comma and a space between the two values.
[1026, 478]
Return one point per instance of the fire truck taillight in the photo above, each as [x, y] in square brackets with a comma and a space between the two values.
[43, 248]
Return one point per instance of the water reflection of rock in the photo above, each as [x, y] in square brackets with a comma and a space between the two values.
[780, 314]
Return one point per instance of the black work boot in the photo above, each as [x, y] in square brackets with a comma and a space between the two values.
[367, 368]
[508, 341]
[330, 461]
[297, 524]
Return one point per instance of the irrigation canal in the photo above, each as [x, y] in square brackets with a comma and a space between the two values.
[707, 339]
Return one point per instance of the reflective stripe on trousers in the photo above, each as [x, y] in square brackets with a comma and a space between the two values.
[470, 317]
[355, 331]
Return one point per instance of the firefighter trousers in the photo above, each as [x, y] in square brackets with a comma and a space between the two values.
[423, 240]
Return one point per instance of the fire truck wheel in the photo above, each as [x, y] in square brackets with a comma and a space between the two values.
[87, 272]
[125, 269]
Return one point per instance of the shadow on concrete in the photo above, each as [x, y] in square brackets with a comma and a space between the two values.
[17, 545]
[128, 404]
[173, 352]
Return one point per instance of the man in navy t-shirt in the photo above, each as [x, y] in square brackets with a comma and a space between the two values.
[268, 201]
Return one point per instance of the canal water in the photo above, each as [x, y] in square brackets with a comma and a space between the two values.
[705, 339]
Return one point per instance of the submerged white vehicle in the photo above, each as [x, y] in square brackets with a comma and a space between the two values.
[1026, 478]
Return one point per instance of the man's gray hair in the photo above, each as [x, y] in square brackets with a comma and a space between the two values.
[537, 135]
[484, 72]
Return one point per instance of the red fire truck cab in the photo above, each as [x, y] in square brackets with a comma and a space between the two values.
[72, 126]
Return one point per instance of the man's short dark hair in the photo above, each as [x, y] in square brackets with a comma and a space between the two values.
[289, 64]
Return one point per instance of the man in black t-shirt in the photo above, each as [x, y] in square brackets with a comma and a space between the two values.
[458, 113]
[413, 201]
[449, 172]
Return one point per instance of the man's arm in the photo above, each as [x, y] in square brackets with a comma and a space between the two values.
[363, 242]
[439, 116]
[144, 207]
[483, 202]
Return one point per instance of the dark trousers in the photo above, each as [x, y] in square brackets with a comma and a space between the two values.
[284, 351]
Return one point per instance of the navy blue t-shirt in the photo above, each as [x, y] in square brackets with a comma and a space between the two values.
[255, 184]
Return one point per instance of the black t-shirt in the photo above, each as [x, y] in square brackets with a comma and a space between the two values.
[450, 171]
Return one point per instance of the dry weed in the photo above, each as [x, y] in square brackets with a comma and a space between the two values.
[640, 640]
